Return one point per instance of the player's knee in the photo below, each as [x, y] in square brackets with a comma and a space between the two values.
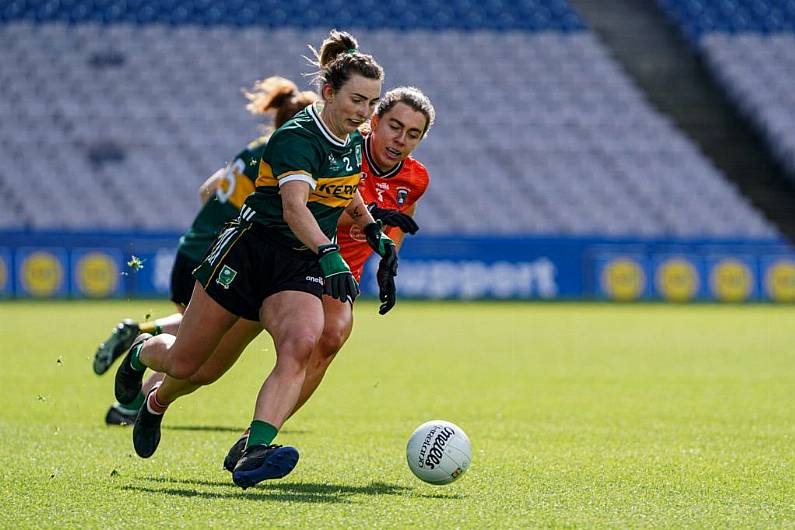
[331, 342]
[183, 368]
[294, 352]
[335, 333]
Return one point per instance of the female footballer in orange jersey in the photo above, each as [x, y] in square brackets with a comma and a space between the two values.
[392, 182]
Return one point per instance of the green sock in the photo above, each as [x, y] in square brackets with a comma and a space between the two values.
[135, 404]
[261, 433]
[135, 360]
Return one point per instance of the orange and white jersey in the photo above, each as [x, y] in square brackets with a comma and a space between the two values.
[396, 189]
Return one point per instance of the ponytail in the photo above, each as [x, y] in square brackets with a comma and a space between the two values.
[278, 96]
[339, 57]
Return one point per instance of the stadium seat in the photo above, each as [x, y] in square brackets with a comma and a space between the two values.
[563, 144]
[750, 48]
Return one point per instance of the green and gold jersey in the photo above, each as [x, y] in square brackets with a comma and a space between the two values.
[304, 149]
[225, 204]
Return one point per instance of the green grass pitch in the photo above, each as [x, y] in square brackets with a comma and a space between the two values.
[580, 415]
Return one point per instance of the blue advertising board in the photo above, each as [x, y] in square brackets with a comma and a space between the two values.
[475, 268]
[678, 277]
[438, 267]
[732, 277]
[41, 272]
[777, 274]
[6, 273]
[622, 276]
[96, 272]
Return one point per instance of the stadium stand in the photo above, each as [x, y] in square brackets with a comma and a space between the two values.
[120, 113]
[750, 48]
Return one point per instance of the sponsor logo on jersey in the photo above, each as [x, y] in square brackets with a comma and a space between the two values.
[359, 155]
[356, 233]
[314, 279]
[380, 188]
[402, 195]
[333, 163]
[340, 191]
[226, 276]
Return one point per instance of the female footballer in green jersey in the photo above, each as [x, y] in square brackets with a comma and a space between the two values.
[273, 265]
[222, 195]
[392, 182]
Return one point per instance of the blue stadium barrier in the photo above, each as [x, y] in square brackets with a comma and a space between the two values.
[498, 15]
[57, 265]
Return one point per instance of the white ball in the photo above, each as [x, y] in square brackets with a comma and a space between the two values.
[438, 452]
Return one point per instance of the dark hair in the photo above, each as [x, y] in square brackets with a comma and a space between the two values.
[338, 58]
[411, 96]
[279, 96]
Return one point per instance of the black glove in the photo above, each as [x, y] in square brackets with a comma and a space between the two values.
[338, 281]
[387, 267]
[387, 292]
[394, 218]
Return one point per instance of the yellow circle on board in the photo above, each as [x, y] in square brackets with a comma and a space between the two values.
[623, 279]
[731, 280]
[677, 280]
[780, 281]
[42, 274]
[97, 275]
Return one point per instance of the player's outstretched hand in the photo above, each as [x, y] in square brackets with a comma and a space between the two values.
[394, 218]
[387, 270]
[338, 282]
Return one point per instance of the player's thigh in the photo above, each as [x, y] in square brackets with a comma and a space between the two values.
[204, 324]
[294, 318]
[228, 351]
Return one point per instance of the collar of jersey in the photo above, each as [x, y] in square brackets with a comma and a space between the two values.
[331, 137]
[374, 169]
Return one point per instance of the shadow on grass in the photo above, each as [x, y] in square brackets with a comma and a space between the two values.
[213, 483]
[202, 428]
[441, 496]
[284, 491]
[219, 428]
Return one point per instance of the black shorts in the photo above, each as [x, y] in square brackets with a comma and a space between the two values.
[182, 279]
[245, 266]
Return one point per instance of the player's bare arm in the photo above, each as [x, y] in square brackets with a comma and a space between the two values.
[294, 195]
[357, 212]
[210, 185]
